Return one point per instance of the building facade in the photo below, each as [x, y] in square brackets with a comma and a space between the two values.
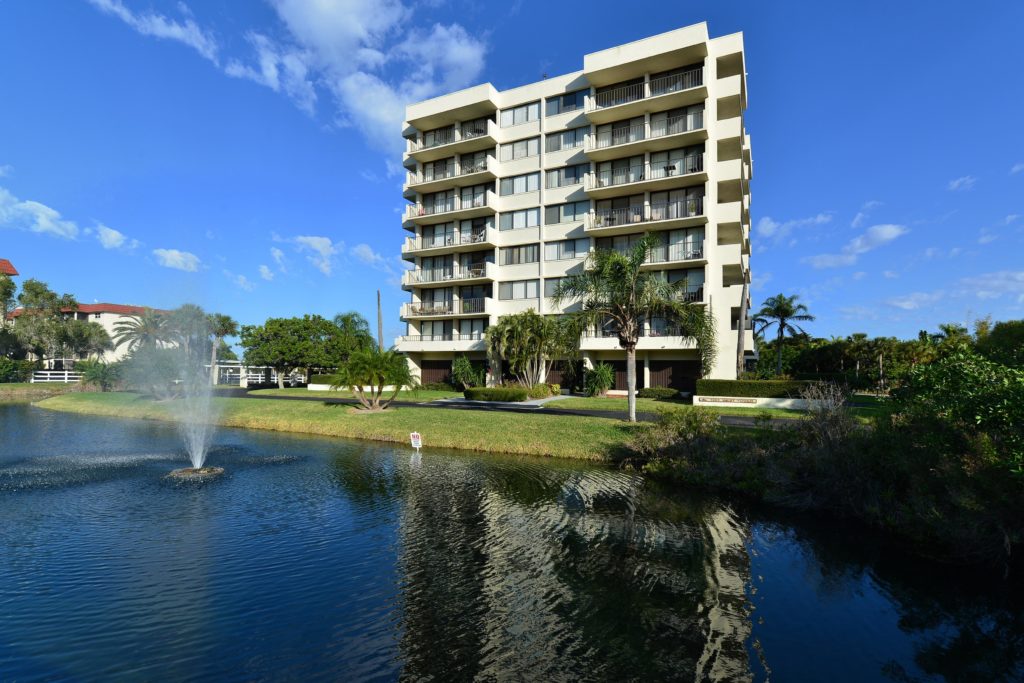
[511, 190]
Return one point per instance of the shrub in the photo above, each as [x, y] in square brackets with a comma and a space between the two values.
[599, 380]
[16, 370]
[751, 388]
[323, 379]
[99, 374]
[540, 391]
[510, 394]
[556, 389]
[464, 375]
[677, 433]
[437, 386]
[659, 393]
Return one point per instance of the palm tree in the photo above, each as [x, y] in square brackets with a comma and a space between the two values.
[220, 326]
[781, 310]
[613, 290]
[189, 327]
[529, 342]
[148, 329]
[369, 371]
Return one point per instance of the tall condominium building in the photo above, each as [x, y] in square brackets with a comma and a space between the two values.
[511, 190]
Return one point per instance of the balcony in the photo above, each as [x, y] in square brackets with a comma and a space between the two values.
[454, 243]
[454, 341]
[664, 92]
[677, 131]
[456, 140]
[443, 276]
[434, 179]
[664, 254]
[657, 215]
[449, 209]
[647, 177]
[439, 309]
[652, 338]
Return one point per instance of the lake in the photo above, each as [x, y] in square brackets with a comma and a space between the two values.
[332, 559]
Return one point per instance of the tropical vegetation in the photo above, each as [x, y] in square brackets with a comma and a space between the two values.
[783, 312]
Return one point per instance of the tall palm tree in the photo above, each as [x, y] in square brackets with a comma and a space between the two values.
[220, 326]
[782, 311]
[614, 290]
[189, 327]
[148, 329]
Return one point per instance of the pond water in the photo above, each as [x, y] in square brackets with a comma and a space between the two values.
[317, 559]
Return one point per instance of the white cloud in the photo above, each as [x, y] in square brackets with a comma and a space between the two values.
[320, 251]
[987, 237]
[282, 69]
[994, 285]
[266, 273]
[776, 231]
[859, 219]
[278, 257]
[366, 254]
[6, 170]
[240, 281]
[1017, 168]
[915, 300]
[114, 239]
[857, 312]
[34, 217]
[760, 280]
[859, 275]
[890, 274]
[872, 238]
[962, 183]
[870, 204]
[185, 31]
[179, 260]
[1010, 218]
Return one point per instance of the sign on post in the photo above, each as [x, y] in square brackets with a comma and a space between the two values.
[417, 441]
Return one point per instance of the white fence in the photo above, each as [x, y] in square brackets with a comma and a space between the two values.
[56, 376]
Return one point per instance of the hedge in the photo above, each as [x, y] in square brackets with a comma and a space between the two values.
[323, 379]
[755, 388]
[513, 394]
[657, 393]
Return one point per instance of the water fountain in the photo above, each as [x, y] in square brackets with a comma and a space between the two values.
[196, 415]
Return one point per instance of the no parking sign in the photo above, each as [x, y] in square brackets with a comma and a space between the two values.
[417, 440]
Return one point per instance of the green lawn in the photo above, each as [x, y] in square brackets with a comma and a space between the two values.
[566, 436]
[421, 396]
[26, 392]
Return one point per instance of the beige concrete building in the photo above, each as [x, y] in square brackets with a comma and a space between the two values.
[510, 190]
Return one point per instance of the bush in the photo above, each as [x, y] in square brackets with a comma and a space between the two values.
[510, 394]
[16, 370]
[99, 374]
[464, 375]
[540, 391]
[599, 380]
[437, 386]
[751, 388]
[323, 379]
[677, 433]
[660, 393]
[556, 389]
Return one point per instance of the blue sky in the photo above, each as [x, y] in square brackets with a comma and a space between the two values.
[244, 155]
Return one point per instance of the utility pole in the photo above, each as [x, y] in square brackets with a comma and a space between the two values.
[380, 325]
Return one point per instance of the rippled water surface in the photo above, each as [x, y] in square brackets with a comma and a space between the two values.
[317, 559]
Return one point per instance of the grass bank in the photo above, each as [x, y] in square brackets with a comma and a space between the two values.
[562, 436]
[26, 392]
[421, 396]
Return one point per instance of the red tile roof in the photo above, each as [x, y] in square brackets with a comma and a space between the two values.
[7, 268]
[120, 309]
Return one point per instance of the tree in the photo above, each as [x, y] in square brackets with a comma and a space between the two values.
[465, 375]
[220, 326]
[782, 311]
[287, 344]
[81, 339]
[7, 296]
[353, 335]
[614, 291]
[189, 327]
[1004, 343]
[528, 342]
[42, 315]
[146, 330]
[100, 374]
[369, 372]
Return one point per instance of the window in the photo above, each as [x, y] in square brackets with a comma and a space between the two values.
[520, 149]
[96, 315]
[550, 284]
[566, 249]
[473, 163]
[515, 220]
[474, 196]
[472, 328]
[567, 139]
[438, 170]
[522, 114]
[525, 253]
[529, 182]
[560, 104]
[619, 243]
[566, 213]
[518, 289]
[440, 136]
[569, 175]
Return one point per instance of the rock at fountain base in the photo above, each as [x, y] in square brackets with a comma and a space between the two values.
[196, 473]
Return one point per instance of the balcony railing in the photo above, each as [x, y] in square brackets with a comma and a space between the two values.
[663, 85]
[446, 274]
[667, 253]
[693, 163]
[677, 124]
[433, 173]
[438, 138]
[691, 293]
[474, 130]
[447, 205]
[471, 305]
[430, 308]
[453, 239]
[620, 136]
[449, 336]
[657, 211]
